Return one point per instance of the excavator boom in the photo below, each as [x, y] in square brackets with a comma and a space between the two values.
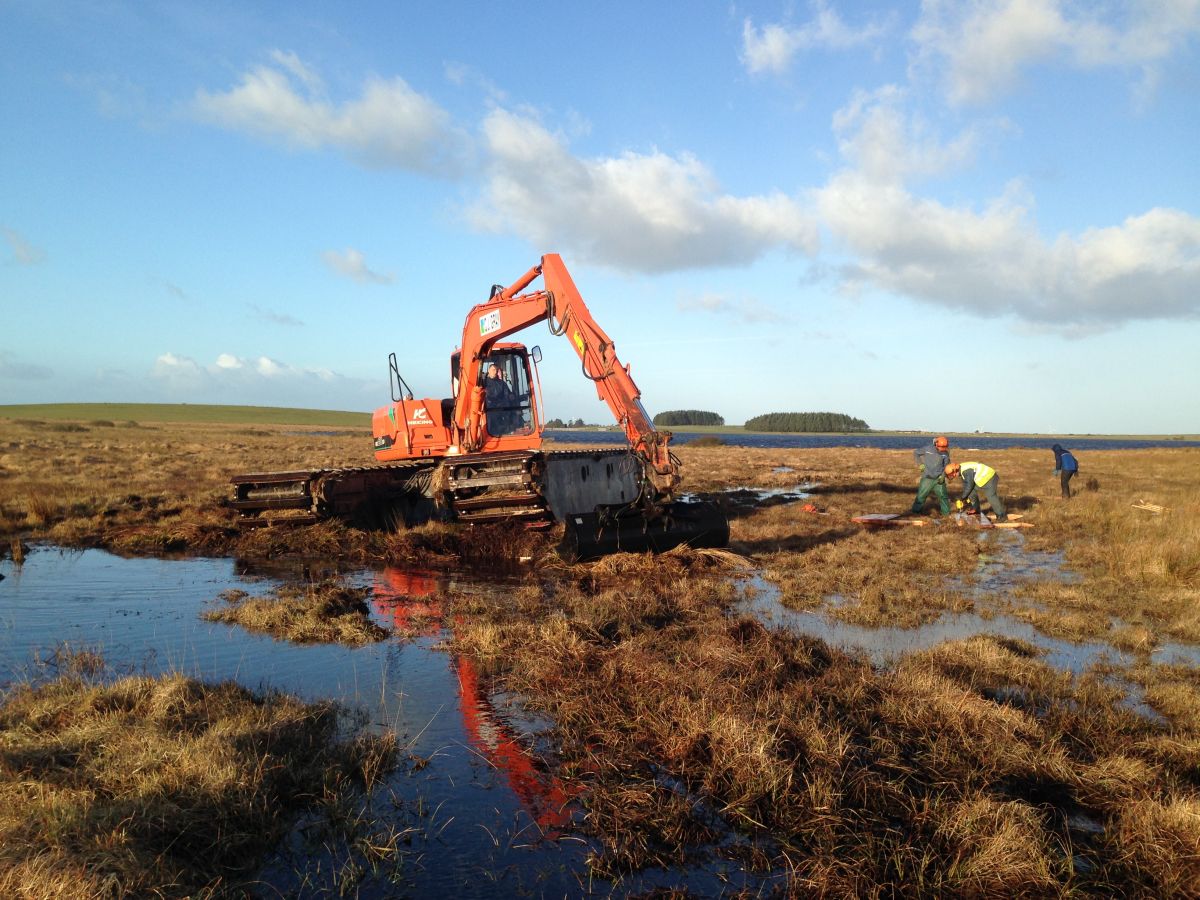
[614, 385]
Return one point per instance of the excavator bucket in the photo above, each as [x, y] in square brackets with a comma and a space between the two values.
[591, 535]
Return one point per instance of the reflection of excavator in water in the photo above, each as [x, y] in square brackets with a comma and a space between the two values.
[412, 601]
[476, 456]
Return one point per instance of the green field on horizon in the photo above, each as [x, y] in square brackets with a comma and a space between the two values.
[280, 415]
[185, 412]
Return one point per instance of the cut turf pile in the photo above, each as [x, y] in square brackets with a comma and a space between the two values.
[163, 787]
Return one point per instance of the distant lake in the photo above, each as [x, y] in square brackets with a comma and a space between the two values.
[878, 441]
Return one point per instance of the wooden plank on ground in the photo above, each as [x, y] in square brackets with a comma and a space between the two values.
[872, 520]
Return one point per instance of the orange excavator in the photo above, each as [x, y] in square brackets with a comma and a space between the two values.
[477, 455]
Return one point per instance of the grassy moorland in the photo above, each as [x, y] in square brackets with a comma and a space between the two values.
[973, 768]
[163, 787]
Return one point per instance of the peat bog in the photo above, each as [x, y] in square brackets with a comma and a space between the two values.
[820, 710]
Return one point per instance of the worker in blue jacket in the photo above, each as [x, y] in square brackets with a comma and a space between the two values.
[979, 479]
[1065, 467]
[932, 460]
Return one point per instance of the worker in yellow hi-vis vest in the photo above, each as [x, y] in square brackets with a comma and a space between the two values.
[979, 479]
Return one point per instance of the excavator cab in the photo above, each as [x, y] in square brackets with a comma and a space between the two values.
[508, 387]
[507, 380]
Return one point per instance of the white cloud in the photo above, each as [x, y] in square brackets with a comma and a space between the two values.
[887, 144]
[646, 212]
[295, 67]
[993, 261]
[745, 309]
[275, 318]
[14, 369]
[256, 380]
[267, 367]
[983, 45]
[231, 369]
[772, 47]
[23, 252]
[169, 364]
[353, 264]
[389, 126]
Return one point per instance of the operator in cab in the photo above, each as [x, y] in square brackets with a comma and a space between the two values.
[500, 402]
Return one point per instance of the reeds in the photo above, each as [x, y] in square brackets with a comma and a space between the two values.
[964, 771]
[326, 612]
[162, 787]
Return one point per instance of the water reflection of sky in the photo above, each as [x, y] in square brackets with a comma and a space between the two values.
[143, 615]
[1003, 564]
[487, 819]
[884, 646]
[879, 441]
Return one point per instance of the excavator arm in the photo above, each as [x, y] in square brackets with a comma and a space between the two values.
[614, 385]
[559, 303]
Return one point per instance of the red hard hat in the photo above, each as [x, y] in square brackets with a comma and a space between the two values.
[940, 441]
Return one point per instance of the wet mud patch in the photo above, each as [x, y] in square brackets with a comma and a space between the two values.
[738, 501]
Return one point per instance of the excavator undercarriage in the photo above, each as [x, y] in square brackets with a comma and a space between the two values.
[594, 493]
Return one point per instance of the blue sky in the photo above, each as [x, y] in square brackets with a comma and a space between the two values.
[939, 215]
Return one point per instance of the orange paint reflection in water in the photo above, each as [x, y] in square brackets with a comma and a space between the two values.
[412, 600]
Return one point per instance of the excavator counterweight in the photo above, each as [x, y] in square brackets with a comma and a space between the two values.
[476, 456]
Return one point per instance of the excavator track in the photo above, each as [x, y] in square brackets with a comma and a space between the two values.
[521, 485]
[356, 493]
[594, 493]
[494, 487]
[535, 485]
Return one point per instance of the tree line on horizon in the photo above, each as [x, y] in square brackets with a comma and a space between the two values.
[674, 417]
[779, 422]
[806, 421]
